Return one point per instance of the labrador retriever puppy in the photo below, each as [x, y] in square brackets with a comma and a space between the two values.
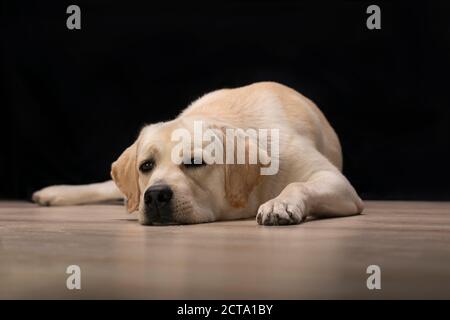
[304, 153]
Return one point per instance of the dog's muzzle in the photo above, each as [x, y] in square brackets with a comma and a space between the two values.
[158, 208]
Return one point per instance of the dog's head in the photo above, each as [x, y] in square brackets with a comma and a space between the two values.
[165, 191]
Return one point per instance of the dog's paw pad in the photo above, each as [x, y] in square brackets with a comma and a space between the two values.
[277, 212]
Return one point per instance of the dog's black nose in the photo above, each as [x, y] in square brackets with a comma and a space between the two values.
[158, 196]
[157, 204]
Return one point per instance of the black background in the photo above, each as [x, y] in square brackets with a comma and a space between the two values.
[72, 100]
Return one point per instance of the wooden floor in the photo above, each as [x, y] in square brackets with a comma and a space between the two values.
[119, 258]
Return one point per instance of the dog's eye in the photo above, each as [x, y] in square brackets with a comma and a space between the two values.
[195, 163]
[147, 166]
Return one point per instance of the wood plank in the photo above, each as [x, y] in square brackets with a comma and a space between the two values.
[322, 259]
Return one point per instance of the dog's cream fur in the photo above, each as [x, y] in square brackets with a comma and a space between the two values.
[309, 181]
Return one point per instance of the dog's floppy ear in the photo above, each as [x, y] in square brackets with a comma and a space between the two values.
[125, 174]
[241, 179]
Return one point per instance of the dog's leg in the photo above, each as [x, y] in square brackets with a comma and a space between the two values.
[66, 195]
[326, 193]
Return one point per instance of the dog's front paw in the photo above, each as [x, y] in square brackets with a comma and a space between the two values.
[281, 212]
[53, 196]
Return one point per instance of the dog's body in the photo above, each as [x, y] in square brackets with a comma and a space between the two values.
[309, 181]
